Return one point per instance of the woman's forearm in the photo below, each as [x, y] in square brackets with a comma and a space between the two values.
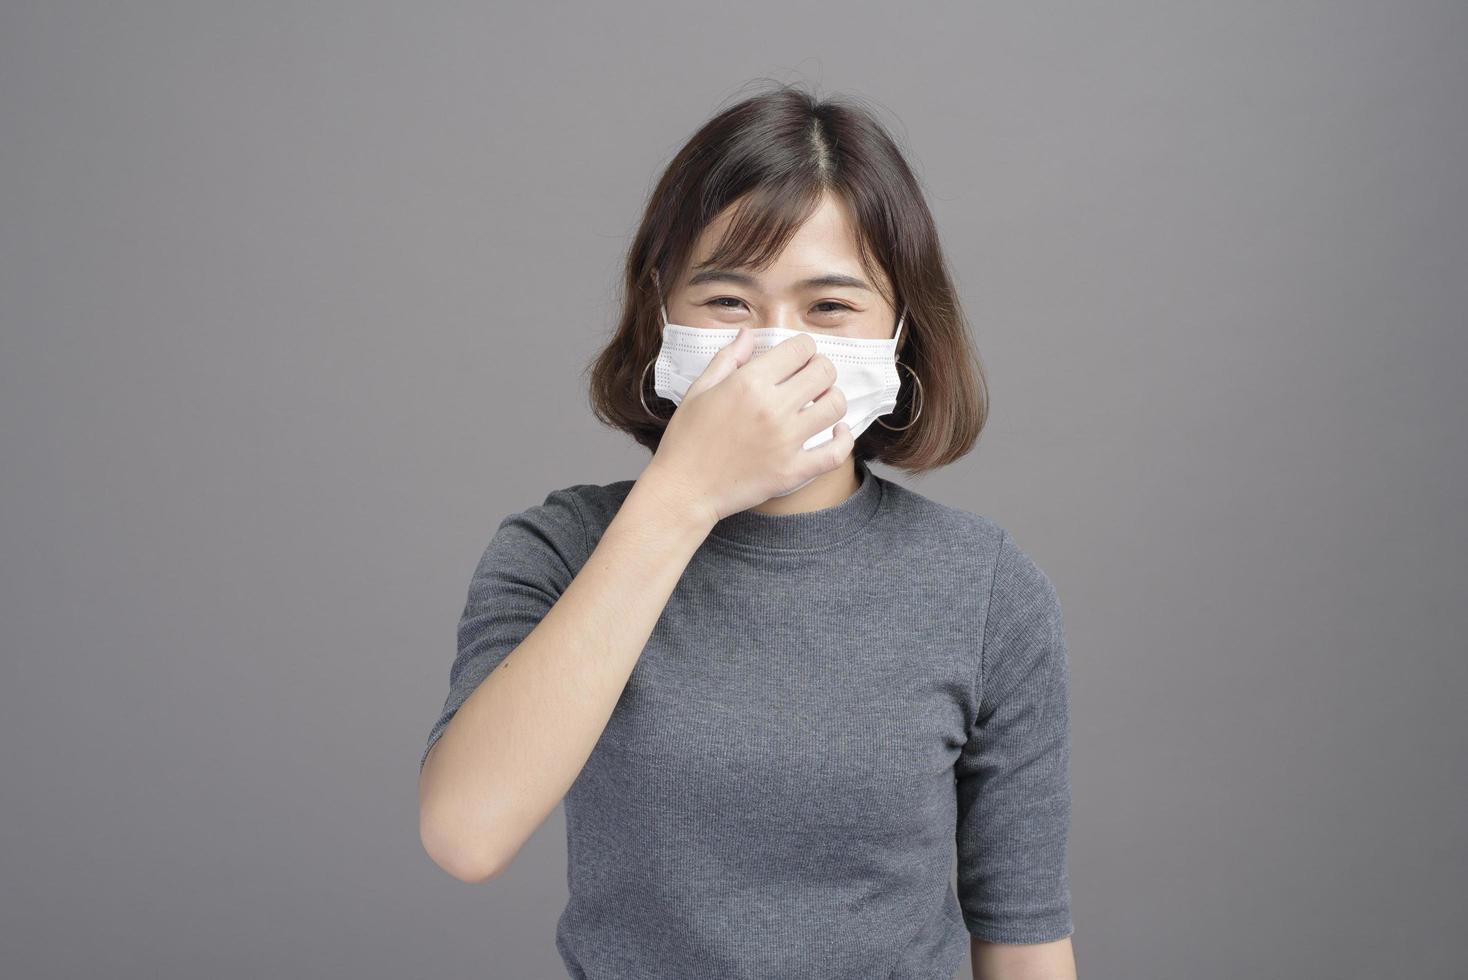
[518, 742]
[1015, 961]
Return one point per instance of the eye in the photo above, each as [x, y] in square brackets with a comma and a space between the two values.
[839, 307]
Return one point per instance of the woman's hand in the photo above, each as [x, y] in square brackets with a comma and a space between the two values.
[738, 436]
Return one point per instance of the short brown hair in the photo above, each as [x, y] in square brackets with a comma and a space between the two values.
[784, 149]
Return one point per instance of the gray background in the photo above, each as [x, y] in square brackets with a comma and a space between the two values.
[295, 302]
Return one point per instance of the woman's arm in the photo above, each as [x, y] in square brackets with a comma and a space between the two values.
[1013, 781]
[513, 746]
[518, 742]
[1030, 961]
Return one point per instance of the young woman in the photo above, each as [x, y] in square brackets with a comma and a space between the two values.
[776, 691]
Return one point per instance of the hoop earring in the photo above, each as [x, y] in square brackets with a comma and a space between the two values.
[918, 381]
[641, 384]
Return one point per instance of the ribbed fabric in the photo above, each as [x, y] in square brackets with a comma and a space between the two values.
[832, 708]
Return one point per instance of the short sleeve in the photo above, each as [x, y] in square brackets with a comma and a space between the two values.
[1013, 775]
[529, 561]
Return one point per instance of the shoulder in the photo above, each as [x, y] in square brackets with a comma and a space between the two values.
[1020, 633]
[1001, 565]
[590, 503]
[570, 518]
[597, 503]
[556, 526]
[934, 524]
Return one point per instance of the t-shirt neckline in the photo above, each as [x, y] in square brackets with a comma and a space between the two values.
[810, 530]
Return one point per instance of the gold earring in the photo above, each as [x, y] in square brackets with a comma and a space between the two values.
[910, 421]
[642, 384]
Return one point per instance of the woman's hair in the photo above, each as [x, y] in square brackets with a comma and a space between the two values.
[784, 149]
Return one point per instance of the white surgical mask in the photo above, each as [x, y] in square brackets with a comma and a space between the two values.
[866, 369]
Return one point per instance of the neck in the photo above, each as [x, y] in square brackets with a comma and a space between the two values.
[825, 513]
[826, 490]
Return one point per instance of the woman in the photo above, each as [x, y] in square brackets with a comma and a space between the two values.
[775, 690]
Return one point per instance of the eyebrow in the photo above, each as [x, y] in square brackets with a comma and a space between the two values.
[830, 279]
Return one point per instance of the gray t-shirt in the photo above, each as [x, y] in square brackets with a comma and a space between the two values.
[832, 706]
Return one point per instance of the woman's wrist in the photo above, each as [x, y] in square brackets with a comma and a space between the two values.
[676, 501]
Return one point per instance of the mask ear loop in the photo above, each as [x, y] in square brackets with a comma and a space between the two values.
[642, 380]
[662, 305]
[915, 378]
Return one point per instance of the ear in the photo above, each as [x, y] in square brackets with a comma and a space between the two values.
[658, 285]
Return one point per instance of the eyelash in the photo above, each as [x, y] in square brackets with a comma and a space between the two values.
[717, 301]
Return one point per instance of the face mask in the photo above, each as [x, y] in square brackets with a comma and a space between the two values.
[866, 369]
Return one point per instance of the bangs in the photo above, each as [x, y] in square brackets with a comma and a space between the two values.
[766, 218]
[763, 222]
